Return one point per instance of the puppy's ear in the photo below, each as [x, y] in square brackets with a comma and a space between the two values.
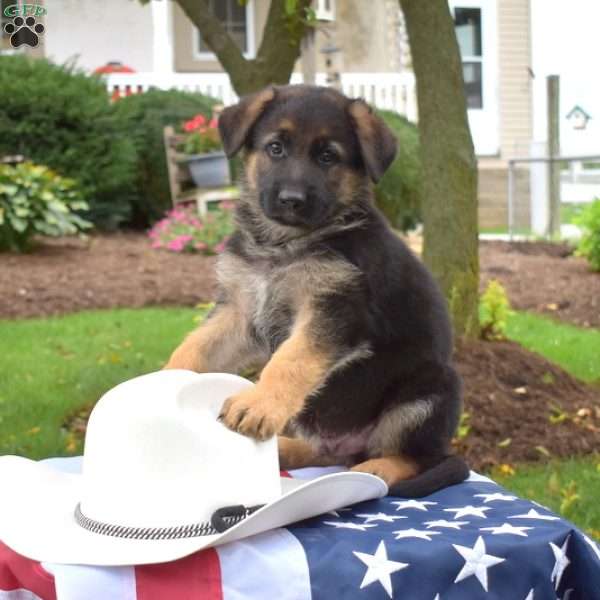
[236, 121]
[377, 143]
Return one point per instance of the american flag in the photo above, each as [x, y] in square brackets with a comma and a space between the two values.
[473, 540]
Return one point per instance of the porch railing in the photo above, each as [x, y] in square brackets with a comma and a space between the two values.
[393, 91]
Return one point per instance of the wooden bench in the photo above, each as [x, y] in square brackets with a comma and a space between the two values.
[180, 181]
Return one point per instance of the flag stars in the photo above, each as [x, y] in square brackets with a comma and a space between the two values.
[349, 525]
[534, 514]
[379, 568]
[444, 523]
[380, 517]
[417, 504]
[496, 496]
[415, 533]
[562, 562]
[476, 511]
[477, 562]
[507, 529]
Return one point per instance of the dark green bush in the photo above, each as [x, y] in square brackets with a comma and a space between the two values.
[57, 116]
[35, 199]
[398, 194]
[145, 116]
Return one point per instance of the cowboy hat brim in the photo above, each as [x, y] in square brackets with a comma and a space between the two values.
[38, 502]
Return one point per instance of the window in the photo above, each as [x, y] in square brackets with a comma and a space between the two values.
[467, 23]
[324, 10]
[237, 20]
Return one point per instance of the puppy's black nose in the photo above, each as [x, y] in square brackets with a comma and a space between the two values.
[291, 198]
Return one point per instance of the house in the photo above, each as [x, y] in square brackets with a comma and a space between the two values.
[508, 48]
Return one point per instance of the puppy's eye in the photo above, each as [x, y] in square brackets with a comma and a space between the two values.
[327, 157]
[275, 149]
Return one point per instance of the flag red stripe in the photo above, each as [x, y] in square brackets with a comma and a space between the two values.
[17, 572]
[195, 577]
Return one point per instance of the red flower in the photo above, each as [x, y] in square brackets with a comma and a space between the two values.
[196, 123]
[213, 123]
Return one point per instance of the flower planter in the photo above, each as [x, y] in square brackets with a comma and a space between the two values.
[209, 170]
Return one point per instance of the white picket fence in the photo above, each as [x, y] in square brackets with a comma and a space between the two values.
[393, 91]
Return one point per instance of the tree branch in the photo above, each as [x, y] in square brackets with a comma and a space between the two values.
[276, 56]
[214, 34]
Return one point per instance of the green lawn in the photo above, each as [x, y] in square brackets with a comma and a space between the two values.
[577, 350]
[569, 487]
[53, 367]
[50, 367]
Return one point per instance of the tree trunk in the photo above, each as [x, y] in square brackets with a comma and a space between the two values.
[278, 52]
[450, 169]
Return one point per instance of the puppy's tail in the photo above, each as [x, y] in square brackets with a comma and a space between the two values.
[451, 470]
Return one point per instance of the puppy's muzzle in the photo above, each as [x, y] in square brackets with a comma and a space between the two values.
[291, 199]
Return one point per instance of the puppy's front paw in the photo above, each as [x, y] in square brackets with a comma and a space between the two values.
[249, 414]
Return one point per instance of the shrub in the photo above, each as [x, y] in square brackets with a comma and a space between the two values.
[398, 193]
[183, 231]
[57, 116]
[494, 312]
[34, 199]
[146, 115]
[589, 245]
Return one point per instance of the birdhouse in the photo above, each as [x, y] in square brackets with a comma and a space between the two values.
[578, 117]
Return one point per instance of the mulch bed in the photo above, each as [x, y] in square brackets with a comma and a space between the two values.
[545, 278]
[520, 406]
[106, 271]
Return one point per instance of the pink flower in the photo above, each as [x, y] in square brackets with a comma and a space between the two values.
[220, 247]
[176, 245]
[200, 246]
[227, 204]
[213, 123]
[156, 244]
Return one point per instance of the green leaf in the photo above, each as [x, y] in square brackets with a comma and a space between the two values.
[19, 225]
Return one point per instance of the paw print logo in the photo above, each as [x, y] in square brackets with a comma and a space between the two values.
[24, 32]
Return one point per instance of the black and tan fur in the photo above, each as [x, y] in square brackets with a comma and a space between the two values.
[350, 330]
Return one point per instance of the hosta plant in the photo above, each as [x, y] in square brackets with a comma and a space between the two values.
[182, 230]
[36, 200]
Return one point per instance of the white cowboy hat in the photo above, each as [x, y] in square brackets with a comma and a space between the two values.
[162, 478]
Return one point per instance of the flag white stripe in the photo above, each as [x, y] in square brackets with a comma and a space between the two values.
[74, 582]
[19, 594]
[253, 568]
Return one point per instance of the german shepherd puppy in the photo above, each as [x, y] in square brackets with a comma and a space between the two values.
[351, 329]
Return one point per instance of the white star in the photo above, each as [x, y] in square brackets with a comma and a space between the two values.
[418, 504]
[415, 533]
[348, 525]
[379, 568]
[380, 517]
[477, 562]
[496, 496]
[534, 514]
[506, 528]
[476, 511]
[444, 523]
[530, 595]
[562, 562]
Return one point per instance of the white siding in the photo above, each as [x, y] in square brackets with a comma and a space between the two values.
[514, 77]
[96, 32]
